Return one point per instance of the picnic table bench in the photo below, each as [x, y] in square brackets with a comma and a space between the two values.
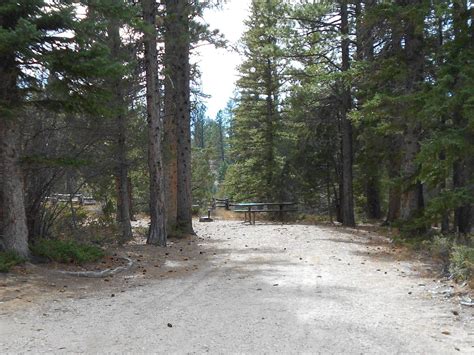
[250, 209]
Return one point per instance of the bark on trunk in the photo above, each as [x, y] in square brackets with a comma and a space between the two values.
[393, 171]
[394, 141]
[179, 75]
[170, 139]
[462, 214]
[170, 154]
[338, 204]
[373, 197]
[37, 187]
[13, 226]
[130, 199]
[157, 233]
[123, 195]
[409, 205]
[271, 189]
[347, 192]
[221, 140]
[442, 155]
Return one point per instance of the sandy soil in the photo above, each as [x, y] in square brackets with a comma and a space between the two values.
[236, 288]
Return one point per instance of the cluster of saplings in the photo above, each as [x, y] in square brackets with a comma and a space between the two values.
[95, 100]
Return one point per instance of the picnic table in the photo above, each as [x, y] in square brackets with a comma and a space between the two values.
[250, 209]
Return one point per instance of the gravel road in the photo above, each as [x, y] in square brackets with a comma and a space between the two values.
[268, 288]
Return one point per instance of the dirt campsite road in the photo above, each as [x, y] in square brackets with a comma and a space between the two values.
[236, 288]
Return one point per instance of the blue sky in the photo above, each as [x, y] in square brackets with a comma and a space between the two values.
[218, 66]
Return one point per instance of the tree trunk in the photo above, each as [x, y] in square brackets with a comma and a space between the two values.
[409, 205]
[13, 226]
[170, 139]
[394, 142]
[157, 233]
[373, 197]
[462, 214]
[442, 155]
[337, 203]
[365, 52]
[271, 189]
[412, 193]
[462, 167]
[394, 193]
[179, 75]
[328, 192]
[130, 199]
[37, 186]
[346, 127]
[123, 195]
[221, 139]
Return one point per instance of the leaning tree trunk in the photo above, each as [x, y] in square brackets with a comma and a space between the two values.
[170, 119]
[123, 196]
[178, 11]
[347, 197]
[157, 232]
[13, 226]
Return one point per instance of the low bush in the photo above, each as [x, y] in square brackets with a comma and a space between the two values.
[462, 263]
[67, 251]
[8, 260]
[440, 248]
[455, 254]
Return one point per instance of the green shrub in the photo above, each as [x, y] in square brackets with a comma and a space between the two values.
[462, 262]
[8, 260]
[67, 251]
[440, 247]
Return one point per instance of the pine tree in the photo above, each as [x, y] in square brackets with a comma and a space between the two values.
[37, 49]
[119, 107]
[157, 233]
[257, 121]
[348, 218]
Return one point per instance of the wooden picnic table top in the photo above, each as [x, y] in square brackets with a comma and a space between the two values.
[251, 204]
